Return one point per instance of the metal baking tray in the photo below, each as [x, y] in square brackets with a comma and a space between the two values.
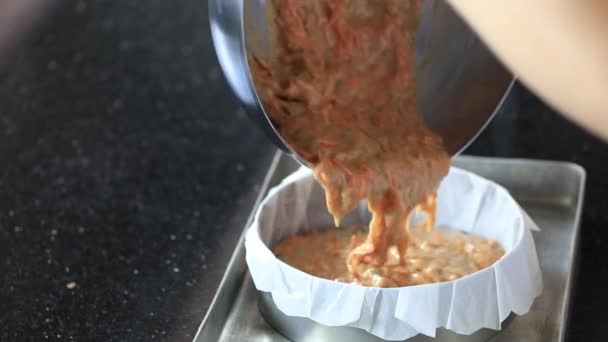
[550, 192]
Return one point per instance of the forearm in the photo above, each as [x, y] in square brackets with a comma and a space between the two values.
[559, 48]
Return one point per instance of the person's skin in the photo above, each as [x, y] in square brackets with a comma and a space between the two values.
[558, 48]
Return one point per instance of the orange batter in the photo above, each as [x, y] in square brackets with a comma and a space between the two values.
[440, 255]
[339, 88]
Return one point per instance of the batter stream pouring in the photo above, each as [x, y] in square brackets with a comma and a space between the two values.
[341, 91]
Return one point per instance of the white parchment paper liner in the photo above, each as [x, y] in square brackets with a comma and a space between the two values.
[481, 300]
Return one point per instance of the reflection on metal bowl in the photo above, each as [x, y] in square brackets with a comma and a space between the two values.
[461, 84]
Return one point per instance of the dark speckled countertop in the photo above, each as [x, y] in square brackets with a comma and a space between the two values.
[127, 171]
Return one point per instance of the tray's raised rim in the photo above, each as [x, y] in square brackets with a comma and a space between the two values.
[235, 264]
[574, 247]
[580, 170]
[236, 268]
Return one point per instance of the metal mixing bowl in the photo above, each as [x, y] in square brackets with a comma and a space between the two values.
[460, 83]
